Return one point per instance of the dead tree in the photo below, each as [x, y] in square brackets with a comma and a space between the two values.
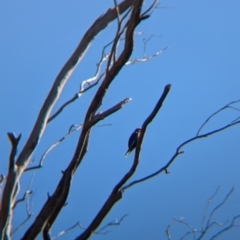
[128, 14]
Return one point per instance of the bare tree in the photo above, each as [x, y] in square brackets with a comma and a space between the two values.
[207, 223]
[129, 15]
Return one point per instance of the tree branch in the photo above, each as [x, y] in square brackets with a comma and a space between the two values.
[108, 112]
[209, 224]
[63, 76]
[200, 234]
[54, 204]
[215, 113]
[45, 111]
[14, 143]
[117, 191]
[177, 153]
[72, 129]
[231, 225]
[207, 205]
[8, 193]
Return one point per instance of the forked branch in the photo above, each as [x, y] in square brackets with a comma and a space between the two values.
[116, 193]
[178, 152]
[43, 116]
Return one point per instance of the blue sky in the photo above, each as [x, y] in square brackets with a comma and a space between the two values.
[202, 64]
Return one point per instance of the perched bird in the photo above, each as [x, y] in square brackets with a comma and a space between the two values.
[132, 142]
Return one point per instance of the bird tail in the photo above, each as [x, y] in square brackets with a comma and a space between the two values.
[127, 153]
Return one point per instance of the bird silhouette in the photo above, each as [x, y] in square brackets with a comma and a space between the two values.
[132, 142]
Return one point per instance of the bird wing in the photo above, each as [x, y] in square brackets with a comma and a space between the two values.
[132, 140]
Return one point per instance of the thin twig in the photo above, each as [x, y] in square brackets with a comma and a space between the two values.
[151, 8]
[63, 232]
[117, 38]
[22, 198]
[202, 233]
[21, 224]
[145, 41]
[91, 82]
[115, 222]
[192, 231]
[28, 200]
[146, 58]
[210, 224]
[207, 205]
[232, 225]
[238, 118]
[219, 205]
[72, 129]
[118, 27]
[215, 113]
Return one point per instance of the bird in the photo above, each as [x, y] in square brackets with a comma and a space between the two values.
[132, 142]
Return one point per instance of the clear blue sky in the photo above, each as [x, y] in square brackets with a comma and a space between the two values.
[202, 63]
